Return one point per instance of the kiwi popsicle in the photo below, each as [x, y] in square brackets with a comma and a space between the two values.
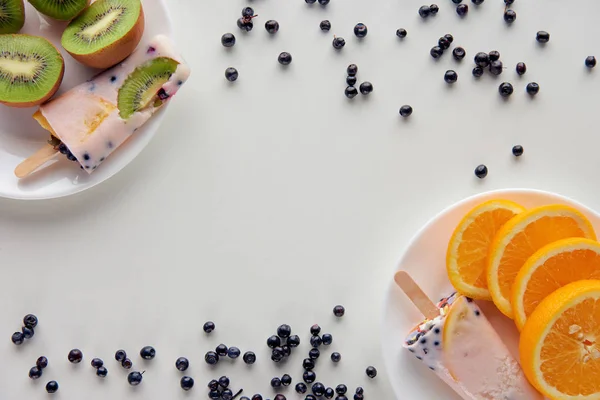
[96, 117]
[464, 350]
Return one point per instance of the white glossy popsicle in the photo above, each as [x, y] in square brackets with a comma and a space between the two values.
[86, 118]
[465, 351]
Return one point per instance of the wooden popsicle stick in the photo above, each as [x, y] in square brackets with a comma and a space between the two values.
[36, 160]
[416, 295]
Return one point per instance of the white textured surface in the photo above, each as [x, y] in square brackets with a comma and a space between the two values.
[274, 198]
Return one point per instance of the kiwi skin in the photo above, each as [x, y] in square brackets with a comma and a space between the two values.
[47, 96]
[56, 16]
[117, 51]
[20, 23]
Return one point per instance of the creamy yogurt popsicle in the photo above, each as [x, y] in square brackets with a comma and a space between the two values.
[465, 351]
[93, 119]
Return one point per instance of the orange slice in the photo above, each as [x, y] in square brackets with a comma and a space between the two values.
[560, 343]
[551, 268]
[521, 237]
[469, 247]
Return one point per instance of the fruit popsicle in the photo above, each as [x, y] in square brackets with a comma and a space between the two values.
[93, 119]
[465, 351]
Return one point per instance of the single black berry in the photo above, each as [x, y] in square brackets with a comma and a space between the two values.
[221, 350]
[30, 321]
[360, 390]
[462, 9]
[187, 383]
[371, 372]
[532, 88]
[509, 2]
[277, 354]
[494, 55]
[209, 326]
[477, 72]
[247, 12]
[274, 341]
[316, 341]
[542, 37]
[365, 89]
[352, 70]
[405, 111]
[450, 76]
[257, 397]
[27, 332]
[286, 380]
[35, 373]
[336, 357]
[284, 331]
[309, 376]
[228, 40]
[233, 352]
[52, 387]
[521, 68]
[97, 363]
[293, 341]
[120, 355]
[285, 58]
[308, 364]
[287, 350]
[245, 24]
[436, 52]
[351, 80]
[42, 362]
[213, 384]
[510, 16]
[102, 372]
[338, 43]
[590, 62]
[211, 358]
[182, 364]
[477, 2]
[314, 354]
[279, 396]
[75, 356]
[231, 74]
[481, 171]
[361, 30]
[127, 363]
[505, 89]
[351, 92]
[457, 1]
[272, 26]
[224, 382]
[517, 150]
[449, 37]
[444, 43]
[459, 53]
[226, 394]
[134, 378]
[329, 393]
[433, 9]
[401, 33]
[496, 67]
[18, 338]
[424, 11]
[482, 59]
[310, 1]
[341, 389]
[323, 2]
[325, 25]
[318, 389]
[327, 338]
[249, 357]
[301, 388]
[275, 382]
[148, 353]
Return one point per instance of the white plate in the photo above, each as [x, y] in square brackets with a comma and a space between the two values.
[425, 260]
[21, 136]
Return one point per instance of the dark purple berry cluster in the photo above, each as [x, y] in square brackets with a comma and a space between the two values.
[30, 321]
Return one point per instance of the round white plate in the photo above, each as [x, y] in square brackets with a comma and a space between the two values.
[425, 260]
[21, 136]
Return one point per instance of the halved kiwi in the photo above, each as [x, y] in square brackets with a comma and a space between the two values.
[64, 10]
[31, 70]
[12, 16]
[144, 86]
[106, 33]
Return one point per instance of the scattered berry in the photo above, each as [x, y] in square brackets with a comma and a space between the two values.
[449, 37]
[482, 59]
[542, 37]
[325, 25]
[75, 356]
[211, 358]
[209, 326]
[274, 341]
[352, 70]
[277, 354]
[424, 11]
[245, 24]
[285, 58]
[360, 30]
[510, 16]
[477, 72]
[308, 364]
[35, 373]
[309, 376]
[301, 388]
[279, 397]
[148, 353]
[286, 380]
[517, 150]
[313, 354]
[231, 74]
[462, 9]
[272, 26]
[97, 363]
[450, 76]
[433, 9]
[221, 350]
[134, 378]
[336, 357]
[327, 338]
[532, 88]
[459, 53]
[477, 2]
[351, 92]
[329, 393]
[287, 350]
[457, 1]
[351, 80]
[249, 357]
[590, 62]
[365, 89]
[187, 383]
[371, 372]
[481, 171]
[27, 332]
[275, 382]
[227, 40]
[284, 331]
[182, 364]
[401, 33]
[30, 321]
[52, 387]
[233, 352]
[213, 385]
[341, 389]
[521, 68]
[102, 372]
[310, 1]
[323, 2]
[494, 55]
[405, 111]
[316, 341]
[505, 89]
[444, 43]
[436, 52]
[42, 362]
[293, 341]
[127, 363]
[120, 355]
[18, 338]
[509, 2]
[338, 43]
[496, 67]
[318, 389]
[247, 12]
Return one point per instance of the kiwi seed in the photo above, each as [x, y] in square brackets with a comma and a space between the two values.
[12, 16]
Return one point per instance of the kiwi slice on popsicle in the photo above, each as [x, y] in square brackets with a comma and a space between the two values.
[105, 33]
[64, 10]
[12, 16]
[143, 87]
[31, 70]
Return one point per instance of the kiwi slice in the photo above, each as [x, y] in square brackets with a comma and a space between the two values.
[64, 10]
[31, 70]
[144, 86]
[12, 16]
[105, 33]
